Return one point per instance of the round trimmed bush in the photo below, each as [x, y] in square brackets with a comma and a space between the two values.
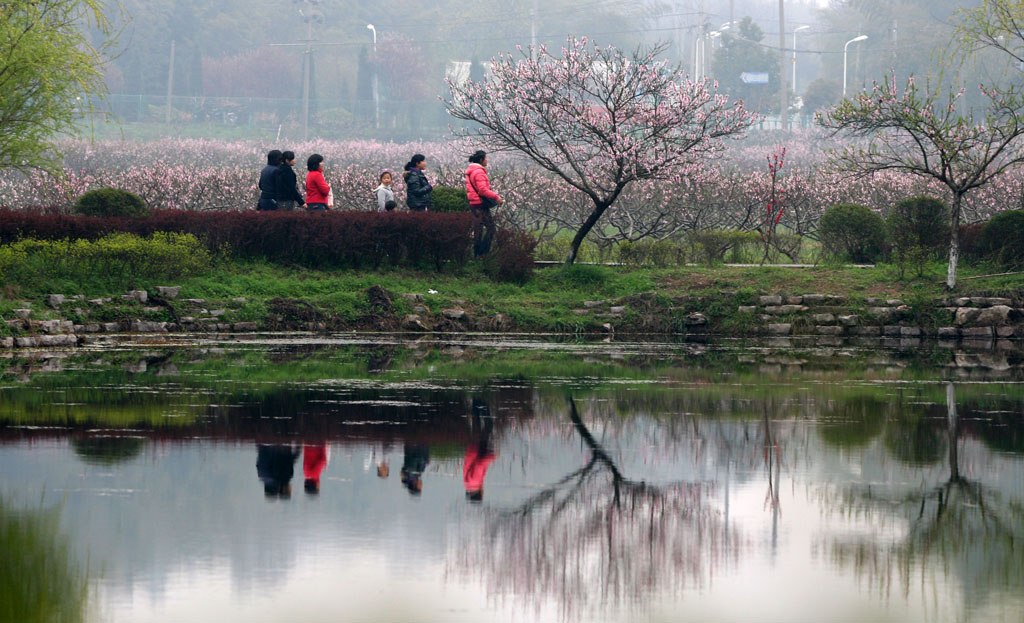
[1002, 238]
[448, 199]
[110, 202]
[853, 232]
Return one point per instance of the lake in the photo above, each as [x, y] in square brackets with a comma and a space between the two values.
[495, 479]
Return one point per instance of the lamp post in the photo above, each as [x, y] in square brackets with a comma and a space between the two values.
[376, 93]
[796, 30]
[845, 50]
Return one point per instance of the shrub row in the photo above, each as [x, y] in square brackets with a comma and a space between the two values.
[122, 256]
[325, 239]
[917, 232]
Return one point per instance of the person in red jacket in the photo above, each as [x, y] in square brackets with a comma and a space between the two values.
[314, 460]
[479, 454]
[317, 189]
[481, 200]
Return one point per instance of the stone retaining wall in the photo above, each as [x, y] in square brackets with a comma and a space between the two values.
[834, 315]
[778, 315]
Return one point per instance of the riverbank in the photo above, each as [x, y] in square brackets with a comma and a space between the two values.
[583, 300]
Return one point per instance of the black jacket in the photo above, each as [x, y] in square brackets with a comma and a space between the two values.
[418, 191]
[285, 187]
[266, 185]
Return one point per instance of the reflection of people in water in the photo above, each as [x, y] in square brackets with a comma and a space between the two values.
[417, 457]
[275, 466]
[479, 454]
[314, 460]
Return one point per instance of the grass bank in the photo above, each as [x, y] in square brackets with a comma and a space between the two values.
[580, 299]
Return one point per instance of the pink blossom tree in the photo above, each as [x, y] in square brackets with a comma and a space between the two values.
[921, 132]
[596, 118]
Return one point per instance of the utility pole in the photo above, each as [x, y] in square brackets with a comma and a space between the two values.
[783, 74]
[170, 85]
[307, 56]
[307, 69]
[533, 32]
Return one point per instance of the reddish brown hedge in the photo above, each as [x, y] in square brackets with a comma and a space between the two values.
[317, 239]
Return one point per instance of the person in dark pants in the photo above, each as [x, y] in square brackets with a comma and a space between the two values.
[414, 463]
[268, 200]
[285, 185]
[479, 454]
[481, 200]
[418, 191]
[275, 466]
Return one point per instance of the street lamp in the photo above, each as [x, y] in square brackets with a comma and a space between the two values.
[796, 30]
[376, 93]
[845, 49]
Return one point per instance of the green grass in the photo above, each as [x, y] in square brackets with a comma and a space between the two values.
[549, 301]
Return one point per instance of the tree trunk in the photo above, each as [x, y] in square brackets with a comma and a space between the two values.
[954, 242]
[952, 422]
[599, 209]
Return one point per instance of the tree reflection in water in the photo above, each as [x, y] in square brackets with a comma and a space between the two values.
[597, 538]
[971, 529]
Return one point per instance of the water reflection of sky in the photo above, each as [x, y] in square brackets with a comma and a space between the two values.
[183, 532]
[663, 491]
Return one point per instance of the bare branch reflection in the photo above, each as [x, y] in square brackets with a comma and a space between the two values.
[597, 538]
[969, 527]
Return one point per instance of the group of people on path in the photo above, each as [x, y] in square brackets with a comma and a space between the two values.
[279, 190]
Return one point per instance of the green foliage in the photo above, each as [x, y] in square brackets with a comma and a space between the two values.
[40, 577]
[709, 247]
[919, 231]
[1002, 238]
[746, 52]
[110, 202]
[118, 259]
[852, 232]
[448, 199]
[51, 74]
[581, 276]
[657, 253]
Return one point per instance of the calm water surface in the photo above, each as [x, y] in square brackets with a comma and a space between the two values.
[513, 481]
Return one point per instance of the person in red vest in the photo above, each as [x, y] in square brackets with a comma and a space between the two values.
[314, 460]
[479, 454]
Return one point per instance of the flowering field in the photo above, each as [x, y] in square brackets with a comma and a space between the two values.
[727, 192]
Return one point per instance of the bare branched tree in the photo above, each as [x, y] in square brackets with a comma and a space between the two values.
[922, 132]
[598, 119]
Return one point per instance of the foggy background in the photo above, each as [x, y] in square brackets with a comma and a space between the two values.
[239, 67]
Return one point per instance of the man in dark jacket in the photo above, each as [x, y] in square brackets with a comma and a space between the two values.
[268, 200]
[285, 187]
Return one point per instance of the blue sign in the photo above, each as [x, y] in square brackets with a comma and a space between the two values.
[754, 77]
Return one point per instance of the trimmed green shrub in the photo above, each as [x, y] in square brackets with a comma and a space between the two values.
[710, 246]
[448, 199]
[656, 253]
[919, 232]
[1002, 239]
[852, 232]
[122, 257]
[110, 202]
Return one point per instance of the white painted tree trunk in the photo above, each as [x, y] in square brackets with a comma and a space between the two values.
[954, 243]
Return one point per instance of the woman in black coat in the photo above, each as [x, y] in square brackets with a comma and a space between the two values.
[418, 191]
